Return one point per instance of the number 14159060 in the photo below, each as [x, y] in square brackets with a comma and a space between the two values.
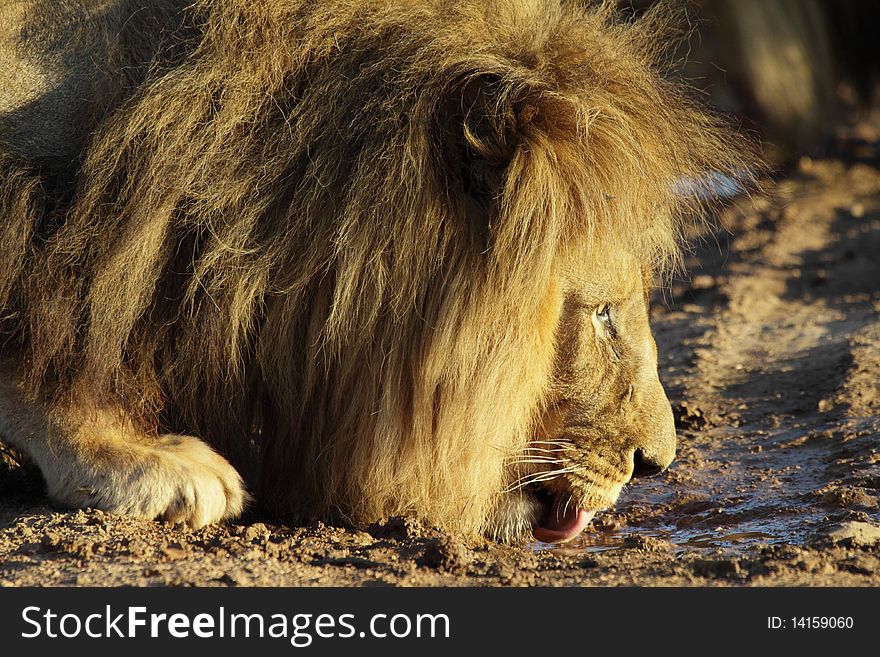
[810, 623]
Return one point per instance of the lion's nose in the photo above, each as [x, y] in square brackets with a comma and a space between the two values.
[646, 465]
[653, 449]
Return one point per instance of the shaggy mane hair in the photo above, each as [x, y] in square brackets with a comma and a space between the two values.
[319, 242]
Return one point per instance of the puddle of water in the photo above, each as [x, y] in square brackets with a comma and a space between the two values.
[727, 540]
[601, 541]
[590, 542]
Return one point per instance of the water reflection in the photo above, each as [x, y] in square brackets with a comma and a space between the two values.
[601, 541]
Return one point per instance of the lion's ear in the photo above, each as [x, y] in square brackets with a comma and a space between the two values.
[483, 127]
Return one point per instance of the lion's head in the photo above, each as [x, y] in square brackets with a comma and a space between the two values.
[605, 417]
[388, 257]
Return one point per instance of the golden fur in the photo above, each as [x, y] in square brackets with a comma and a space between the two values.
[343, 243]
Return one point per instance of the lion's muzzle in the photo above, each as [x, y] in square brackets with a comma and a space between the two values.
[655, 444]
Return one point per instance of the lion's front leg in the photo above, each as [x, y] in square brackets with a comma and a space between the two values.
[95, 459]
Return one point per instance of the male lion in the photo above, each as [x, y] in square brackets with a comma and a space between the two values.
[377, 256]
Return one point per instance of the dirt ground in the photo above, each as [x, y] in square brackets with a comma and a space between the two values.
[770, 352]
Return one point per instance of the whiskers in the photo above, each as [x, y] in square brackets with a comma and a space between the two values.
[550, 456]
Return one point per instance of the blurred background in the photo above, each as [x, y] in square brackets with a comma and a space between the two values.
[794, 70]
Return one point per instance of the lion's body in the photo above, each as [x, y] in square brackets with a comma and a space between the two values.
[337, 241]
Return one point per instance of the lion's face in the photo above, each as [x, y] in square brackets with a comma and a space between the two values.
[607, 418]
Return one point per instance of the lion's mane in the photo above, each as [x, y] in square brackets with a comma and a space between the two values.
[322, 242]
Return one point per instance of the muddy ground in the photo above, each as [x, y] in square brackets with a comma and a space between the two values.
[770, 351]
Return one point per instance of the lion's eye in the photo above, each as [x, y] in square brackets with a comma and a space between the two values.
[602, 319]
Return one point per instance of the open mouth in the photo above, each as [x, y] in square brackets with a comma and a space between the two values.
[559, 521]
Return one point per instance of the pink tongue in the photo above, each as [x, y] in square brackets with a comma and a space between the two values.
[559, 528]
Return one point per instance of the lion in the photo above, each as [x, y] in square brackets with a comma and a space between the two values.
[349, 260]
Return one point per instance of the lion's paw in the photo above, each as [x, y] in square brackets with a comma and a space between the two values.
[176, 478]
